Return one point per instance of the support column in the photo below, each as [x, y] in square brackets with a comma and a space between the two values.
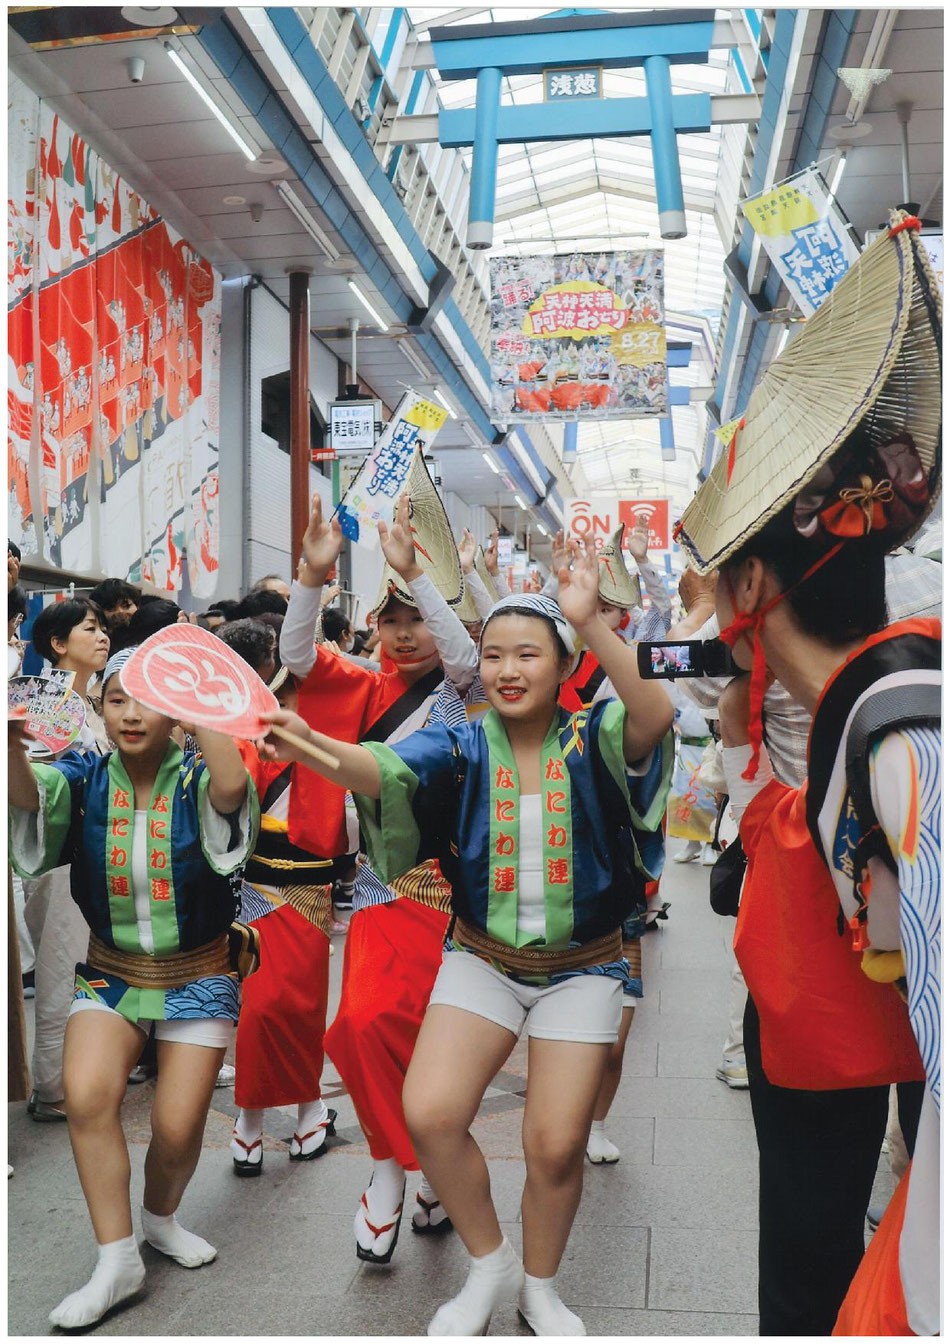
[299, 411]
[666, 163]
[481, 201]
[569, 449]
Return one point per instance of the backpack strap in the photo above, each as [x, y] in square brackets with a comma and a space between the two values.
[915, 704]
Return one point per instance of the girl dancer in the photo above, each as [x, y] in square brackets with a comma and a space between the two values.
[537, 817]
[151, 836]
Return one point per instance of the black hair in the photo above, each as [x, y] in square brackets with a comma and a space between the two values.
[16, 603]
[560, 652]
[336, 623]
[251, 640]
[57, 621]
[154, 615]
[14, 550]
[227, 607]
[110, 592]
[271, 620]
[260, 600]
[841, 602]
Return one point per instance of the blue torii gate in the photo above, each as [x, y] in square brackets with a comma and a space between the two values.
[653, 40]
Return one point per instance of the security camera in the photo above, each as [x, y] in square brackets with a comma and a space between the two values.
[136, 67]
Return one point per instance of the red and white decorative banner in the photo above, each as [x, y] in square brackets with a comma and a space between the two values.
[114, 345]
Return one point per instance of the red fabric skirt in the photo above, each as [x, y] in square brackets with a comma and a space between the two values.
[393, 954]
[278, 1052]
[875, 1302]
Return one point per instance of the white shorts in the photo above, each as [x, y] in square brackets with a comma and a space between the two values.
[583, 1008]
[215, 1032]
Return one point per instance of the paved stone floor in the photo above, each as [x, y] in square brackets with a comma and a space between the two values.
[664, 1242]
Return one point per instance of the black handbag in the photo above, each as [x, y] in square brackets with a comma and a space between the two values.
[726, 878]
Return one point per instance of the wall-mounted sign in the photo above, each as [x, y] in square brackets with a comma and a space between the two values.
[582, 81]
[599, 516]
[353, 425]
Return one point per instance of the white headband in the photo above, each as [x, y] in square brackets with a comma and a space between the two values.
[536, 604]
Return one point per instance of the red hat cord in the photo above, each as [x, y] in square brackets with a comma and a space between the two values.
[754, 621]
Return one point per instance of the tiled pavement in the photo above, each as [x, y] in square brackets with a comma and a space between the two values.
[664, 1242]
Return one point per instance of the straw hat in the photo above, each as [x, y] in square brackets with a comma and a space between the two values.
[435, 547]
[617, 585]
[869, 357]
[466, 610]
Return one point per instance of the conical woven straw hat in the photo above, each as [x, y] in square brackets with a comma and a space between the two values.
[466, 609]
[435, 547]
[617, 585]
[869, 357]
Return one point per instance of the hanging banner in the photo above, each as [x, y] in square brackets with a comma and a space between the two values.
[599, 516]
[113, 357]
[373, 494]
[53, 713]
[578, 337]
[804, 236]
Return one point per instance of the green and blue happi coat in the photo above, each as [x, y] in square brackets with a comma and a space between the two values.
[88, 822]
[453, 793]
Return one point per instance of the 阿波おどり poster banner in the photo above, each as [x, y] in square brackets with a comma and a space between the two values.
[578, 336]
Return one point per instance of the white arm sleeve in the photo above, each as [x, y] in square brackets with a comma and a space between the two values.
[299, 629]
[500, 586]
[551, 587]
[655, 587]
[742, 791]
[458, 653]
[479, 594]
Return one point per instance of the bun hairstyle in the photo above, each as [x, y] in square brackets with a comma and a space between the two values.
[866, 491]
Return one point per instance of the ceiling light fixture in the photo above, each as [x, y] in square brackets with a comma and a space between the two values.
[542, 529]
[405, 347]
[242, 144]
[303, 217]
[367, 305]
[520, 502]
[838, 175]
[439, 397]
[491, 464]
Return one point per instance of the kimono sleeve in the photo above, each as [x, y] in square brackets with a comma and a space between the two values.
[647, 785]
[227, 842]
[38, 839]
[407, 823]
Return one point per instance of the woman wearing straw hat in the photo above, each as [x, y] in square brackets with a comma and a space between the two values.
[837, 462]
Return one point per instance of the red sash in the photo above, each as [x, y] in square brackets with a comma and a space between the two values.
[824, 1024]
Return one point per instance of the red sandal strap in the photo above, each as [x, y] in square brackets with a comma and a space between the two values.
[248, 1147]
[387, 1227]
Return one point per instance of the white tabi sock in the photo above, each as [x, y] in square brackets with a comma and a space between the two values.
[249, 1129]
[599, 1147]
[167, 1235]
[311, 1127]
[382, 1197]
[428, 1217]
[119, 1274]
[544, 1311]
[492, 1279]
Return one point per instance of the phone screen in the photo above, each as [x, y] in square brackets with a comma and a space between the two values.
[670, 660]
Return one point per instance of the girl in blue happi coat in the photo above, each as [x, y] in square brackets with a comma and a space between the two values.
[537, 817]
[152, 836]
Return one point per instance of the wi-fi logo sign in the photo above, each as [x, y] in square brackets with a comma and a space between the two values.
[644, 512]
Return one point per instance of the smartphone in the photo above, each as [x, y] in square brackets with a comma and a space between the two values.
[688, 658]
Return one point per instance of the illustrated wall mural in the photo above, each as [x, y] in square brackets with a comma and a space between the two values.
[113, 367]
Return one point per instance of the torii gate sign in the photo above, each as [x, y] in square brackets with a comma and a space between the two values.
[654, 40]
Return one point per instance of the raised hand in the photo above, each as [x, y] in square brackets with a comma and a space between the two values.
[322, 544]
[578, 595]
[397, 543]
[467, 548]
[694, 588]
[638, 540]
[560, 551]
[330, 595]
[491, 554]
